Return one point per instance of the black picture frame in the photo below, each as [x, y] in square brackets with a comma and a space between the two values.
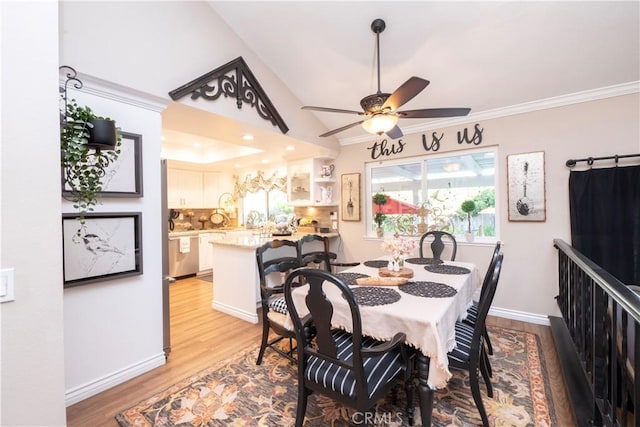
[123, 178]
[109, 247]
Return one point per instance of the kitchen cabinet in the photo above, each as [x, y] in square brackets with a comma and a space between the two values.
[210, 189]
[308, 186]
[184, 189]
[206, 251]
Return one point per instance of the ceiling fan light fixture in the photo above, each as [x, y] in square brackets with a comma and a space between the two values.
[380, 123]
[382, 109]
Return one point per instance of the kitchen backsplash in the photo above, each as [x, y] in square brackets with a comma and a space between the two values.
[199, 219]
[322, 214]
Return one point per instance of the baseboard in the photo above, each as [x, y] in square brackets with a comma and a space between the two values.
[87, 390]
[233, 311]
[539, 319]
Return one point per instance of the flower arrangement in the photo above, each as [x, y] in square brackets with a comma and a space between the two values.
[266, 228]
[399, 248]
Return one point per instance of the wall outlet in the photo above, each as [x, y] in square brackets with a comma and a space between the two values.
[6, 285]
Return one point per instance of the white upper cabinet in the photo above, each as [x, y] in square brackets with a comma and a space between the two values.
[184, 189]
[311, 182]
[211, 189]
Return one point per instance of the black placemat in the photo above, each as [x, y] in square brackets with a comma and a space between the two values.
[428, 289]
[350, 278]
[376, 263]
[375, 295]
[447, 269]
[423, 261]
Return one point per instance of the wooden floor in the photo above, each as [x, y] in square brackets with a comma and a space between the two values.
[201, 336]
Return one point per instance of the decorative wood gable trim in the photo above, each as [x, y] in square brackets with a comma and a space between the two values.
[232, 79]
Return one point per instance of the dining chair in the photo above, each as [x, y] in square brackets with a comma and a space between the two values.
[347, 367]
[437, 245]
[275, 258]
[469, 353]
[320, 254]
[314, 249]
[472, 311]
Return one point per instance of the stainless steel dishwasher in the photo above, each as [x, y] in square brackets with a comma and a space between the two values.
[183, 263]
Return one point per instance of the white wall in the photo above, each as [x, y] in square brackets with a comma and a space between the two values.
[31, 340]
[528, 282]
[113, 329]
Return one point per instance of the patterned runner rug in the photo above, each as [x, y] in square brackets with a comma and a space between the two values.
[236, 392]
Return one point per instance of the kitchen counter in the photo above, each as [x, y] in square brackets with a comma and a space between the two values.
[235, 272]
[197, 232]
[253, 241]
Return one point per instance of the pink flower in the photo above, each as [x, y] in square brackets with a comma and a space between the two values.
[399, 247]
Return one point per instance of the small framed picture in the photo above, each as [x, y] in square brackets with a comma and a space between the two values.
[123, 177]
[107, 246]
[526, 187]
[350, 197]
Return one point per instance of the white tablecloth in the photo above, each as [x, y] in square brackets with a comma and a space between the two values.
[429, 323]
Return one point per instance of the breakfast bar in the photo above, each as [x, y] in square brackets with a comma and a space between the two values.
[236, 289]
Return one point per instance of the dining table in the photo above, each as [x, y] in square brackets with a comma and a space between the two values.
[425, 309]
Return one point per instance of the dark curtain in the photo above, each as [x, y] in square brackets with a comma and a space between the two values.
[605, 219]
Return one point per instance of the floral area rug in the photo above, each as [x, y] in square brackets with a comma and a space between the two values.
[236, 392]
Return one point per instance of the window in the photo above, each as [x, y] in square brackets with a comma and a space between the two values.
[263, 199]
[264, 206]
[426, 193]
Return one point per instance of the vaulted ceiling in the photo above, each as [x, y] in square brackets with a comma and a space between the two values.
[492, 57]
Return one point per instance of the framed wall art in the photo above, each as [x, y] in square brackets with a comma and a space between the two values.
[526, 187]
[123, 178]
[109, 246]
[350, 197]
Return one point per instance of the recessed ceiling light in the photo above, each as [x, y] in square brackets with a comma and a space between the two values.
[197, 144]
[247, 137]
[290, 148]
[265, 161]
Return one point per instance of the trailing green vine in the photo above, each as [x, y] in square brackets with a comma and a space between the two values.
[83, 167]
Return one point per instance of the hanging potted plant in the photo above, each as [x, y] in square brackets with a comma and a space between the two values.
[379, 199]
[468, 207]
[88, 144]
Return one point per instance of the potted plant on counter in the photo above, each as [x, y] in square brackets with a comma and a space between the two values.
[379, 199]
[468, 207]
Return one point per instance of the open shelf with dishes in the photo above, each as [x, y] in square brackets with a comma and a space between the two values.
[312, 183]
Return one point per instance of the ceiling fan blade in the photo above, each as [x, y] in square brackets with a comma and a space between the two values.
[349, 126]
[395, 133]
[405, 93]
[428, 113]
[331, 110]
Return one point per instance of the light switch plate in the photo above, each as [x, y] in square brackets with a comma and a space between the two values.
[6, 285]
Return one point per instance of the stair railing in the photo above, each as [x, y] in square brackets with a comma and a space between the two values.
[598, 341]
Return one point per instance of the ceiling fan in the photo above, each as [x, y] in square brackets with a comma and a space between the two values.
[381, 109]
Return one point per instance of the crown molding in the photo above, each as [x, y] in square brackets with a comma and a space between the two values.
[115, 92]
[542, 104]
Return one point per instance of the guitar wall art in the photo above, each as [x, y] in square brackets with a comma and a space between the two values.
[526, 194]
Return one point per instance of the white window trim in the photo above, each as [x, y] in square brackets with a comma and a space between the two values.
[484, 240]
